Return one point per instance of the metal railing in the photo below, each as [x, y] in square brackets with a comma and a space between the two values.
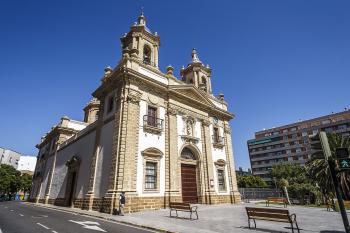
[248, 194]
[217, 139]
[152, 121]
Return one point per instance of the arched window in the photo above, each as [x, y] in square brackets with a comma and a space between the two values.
[187, 153]
[147, 55]
[204, 84]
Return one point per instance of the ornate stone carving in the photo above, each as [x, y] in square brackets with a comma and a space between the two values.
[205, 122]
[134, 96]
[152, 152]
[171, 111]
[73, 162]
[189, 139]
[227, 129]
[220, 162]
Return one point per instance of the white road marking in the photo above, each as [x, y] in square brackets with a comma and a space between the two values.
[42, 225]
[21, 215]
[11, 210]
[51, 231]
[89, 225]
[5, 207]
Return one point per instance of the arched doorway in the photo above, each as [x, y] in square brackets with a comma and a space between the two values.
[72, 173]
[189, 176]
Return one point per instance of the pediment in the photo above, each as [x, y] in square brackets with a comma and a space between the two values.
[191, 93]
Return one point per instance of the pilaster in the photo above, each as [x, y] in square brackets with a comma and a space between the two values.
[89, 196]
[207, 163]
[52, 170]
[235, 196]
[172, 178]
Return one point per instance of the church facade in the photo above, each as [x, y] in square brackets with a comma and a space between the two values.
[156, 137]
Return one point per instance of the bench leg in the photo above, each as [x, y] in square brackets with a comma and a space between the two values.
[297, 226]
[292, 227]
[249, 223]
[254, 223]
[177, 214]
[191, 215]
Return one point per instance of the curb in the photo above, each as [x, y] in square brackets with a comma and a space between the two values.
[101, 217]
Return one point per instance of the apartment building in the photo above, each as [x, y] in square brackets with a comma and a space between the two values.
[290, 143]
[9, 157]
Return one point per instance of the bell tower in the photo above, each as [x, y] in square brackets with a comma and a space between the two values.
[141, 43]
[197, 74]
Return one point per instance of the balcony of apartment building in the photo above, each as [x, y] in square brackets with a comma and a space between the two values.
[264, 143]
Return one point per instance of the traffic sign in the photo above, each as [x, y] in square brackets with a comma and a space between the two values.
[344, 164]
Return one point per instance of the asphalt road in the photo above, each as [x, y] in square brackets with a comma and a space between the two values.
[17, 217]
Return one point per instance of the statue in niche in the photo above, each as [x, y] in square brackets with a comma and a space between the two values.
[189, 127]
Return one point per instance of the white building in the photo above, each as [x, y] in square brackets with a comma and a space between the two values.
[27, 164]
[9, 157]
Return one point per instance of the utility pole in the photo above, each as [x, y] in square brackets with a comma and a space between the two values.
[320, 146]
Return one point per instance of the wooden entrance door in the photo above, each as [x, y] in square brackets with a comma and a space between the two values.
[189, 183]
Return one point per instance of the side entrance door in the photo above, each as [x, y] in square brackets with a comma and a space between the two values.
[189, 183]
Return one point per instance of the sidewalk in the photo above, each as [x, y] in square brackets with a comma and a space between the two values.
[222, 218]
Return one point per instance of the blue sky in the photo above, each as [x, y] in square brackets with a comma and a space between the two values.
[275, 61]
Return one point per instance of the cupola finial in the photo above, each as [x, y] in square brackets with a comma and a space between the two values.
[142, 19]
[195, 58]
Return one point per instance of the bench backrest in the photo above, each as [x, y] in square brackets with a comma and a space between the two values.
[347, 204]
[268, 213]
[179, 205]
[279, 199]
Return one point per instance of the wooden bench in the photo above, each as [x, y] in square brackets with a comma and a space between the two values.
[185, 207]
[276, 200]
[275, 215]
[330, 205]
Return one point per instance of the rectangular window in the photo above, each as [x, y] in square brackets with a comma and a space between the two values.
[110, 104]
[151, 175]
[221, 180]
[216, 134]
[152, 116]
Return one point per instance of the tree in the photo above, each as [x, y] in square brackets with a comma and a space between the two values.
[295, 182]
[319, 171]
[9, 179]
[283, 184]
[26, 182]
[250, 182]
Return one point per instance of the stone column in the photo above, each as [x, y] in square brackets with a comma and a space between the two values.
[155, 55]
[108, 202]
[235, 195]
[172, 171]
[207, 161]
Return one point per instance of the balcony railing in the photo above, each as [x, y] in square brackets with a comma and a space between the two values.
[152, 124]
[218, 141]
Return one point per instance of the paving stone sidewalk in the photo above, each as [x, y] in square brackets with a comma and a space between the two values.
[227, 218]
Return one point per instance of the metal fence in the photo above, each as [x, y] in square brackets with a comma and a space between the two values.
[259, 193]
